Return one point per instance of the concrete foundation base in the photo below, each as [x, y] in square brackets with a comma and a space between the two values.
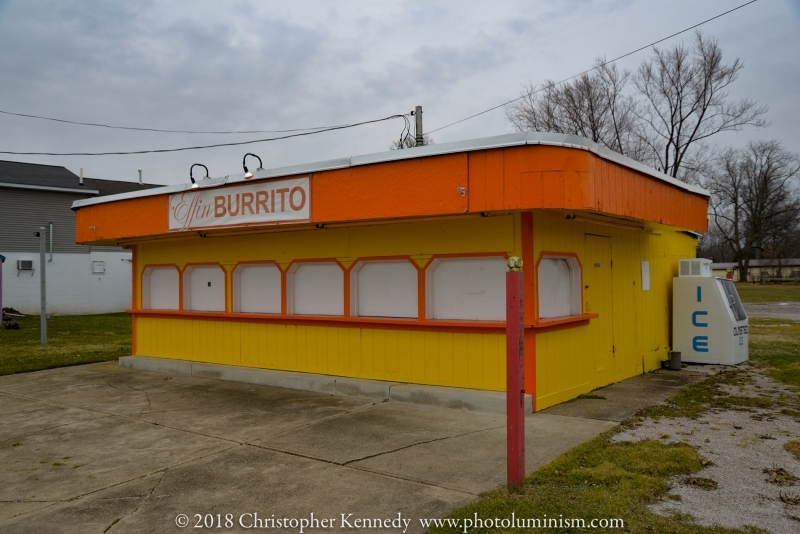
[445, 397]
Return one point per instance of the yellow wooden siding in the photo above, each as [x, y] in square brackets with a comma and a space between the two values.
[472, 234]
[566, 359]
[437, 358]
[444, 359]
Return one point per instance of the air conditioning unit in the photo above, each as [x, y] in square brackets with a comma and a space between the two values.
[695, 267]
[24, 265]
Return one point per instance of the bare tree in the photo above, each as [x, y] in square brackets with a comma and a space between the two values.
[678, 101]
[592, 106]
[714, 246]
[686, 102]
[754, 199]
[409, 142]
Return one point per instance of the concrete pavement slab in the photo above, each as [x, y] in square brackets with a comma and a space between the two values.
[103, 448]
[624, 399]
[477, 461]
[382, 428]
[19, 417]
[245, 480]
[68, 461]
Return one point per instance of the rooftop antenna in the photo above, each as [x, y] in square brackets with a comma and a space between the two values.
[81, 178]
[418, 126]
[140, 177]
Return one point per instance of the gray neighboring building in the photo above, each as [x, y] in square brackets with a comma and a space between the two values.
[80, 279]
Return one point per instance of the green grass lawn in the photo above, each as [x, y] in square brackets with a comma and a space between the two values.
[755, 293]
[601, 479]
[72, 340]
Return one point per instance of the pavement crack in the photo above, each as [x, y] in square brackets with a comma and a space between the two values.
[139, 504]
[434, 440]
[23, 501]
[126, 417]
[315, 421]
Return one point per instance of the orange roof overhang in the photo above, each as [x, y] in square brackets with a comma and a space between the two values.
[523, 177]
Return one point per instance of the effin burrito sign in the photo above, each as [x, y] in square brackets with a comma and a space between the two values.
[274, 201]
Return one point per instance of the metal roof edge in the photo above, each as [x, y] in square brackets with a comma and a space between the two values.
[151, 192]
[50, 188]
[483, 143]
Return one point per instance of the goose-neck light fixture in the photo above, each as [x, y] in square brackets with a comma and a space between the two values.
[194, 184]
[248, 174]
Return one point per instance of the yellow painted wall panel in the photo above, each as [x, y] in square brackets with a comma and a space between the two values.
[448, 359]
[567, 363]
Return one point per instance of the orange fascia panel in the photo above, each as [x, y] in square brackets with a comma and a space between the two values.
[512, 178]
[406, 188]
[533, 177]
[134, 217]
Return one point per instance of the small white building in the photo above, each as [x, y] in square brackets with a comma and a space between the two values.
[80, 280]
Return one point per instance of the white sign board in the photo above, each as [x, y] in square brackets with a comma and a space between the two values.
[645, 276]
[265, 202]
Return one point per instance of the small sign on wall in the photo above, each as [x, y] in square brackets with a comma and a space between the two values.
[98, 267]
[645, 276]
[265, 202]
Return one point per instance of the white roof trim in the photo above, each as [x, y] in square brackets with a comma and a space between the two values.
[48, 188]
[500, 141]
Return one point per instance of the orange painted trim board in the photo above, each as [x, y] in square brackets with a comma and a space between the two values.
[511, 178]
[333, 320]
[530, 298]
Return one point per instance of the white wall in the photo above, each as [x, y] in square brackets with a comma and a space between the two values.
[71, 287]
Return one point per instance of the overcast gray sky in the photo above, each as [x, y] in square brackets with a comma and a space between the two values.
[210, 65]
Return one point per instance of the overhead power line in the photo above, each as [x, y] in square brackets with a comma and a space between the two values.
[596, 67]
[26, 115]
[235, 143]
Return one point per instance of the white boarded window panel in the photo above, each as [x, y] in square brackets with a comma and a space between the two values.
[467, 289]
[316, 289]
[161, 288]
[204, 288]
[257, 289]
[385, 289]
[555, 288]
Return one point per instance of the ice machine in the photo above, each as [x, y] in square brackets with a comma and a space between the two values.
[709, 324]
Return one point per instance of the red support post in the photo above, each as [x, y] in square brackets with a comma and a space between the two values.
[515, 376]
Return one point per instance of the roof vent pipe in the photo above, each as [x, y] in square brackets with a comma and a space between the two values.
[418, 126]
[140, 177]
[81, 178]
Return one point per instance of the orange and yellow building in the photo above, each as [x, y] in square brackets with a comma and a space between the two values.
[388, 266]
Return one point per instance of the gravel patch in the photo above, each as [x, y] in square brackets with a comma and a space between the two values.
[750, 479]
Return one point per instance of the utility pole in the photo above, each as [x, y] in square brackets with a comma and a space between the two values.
[515, 371]
[418, 126]
[42, 285]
